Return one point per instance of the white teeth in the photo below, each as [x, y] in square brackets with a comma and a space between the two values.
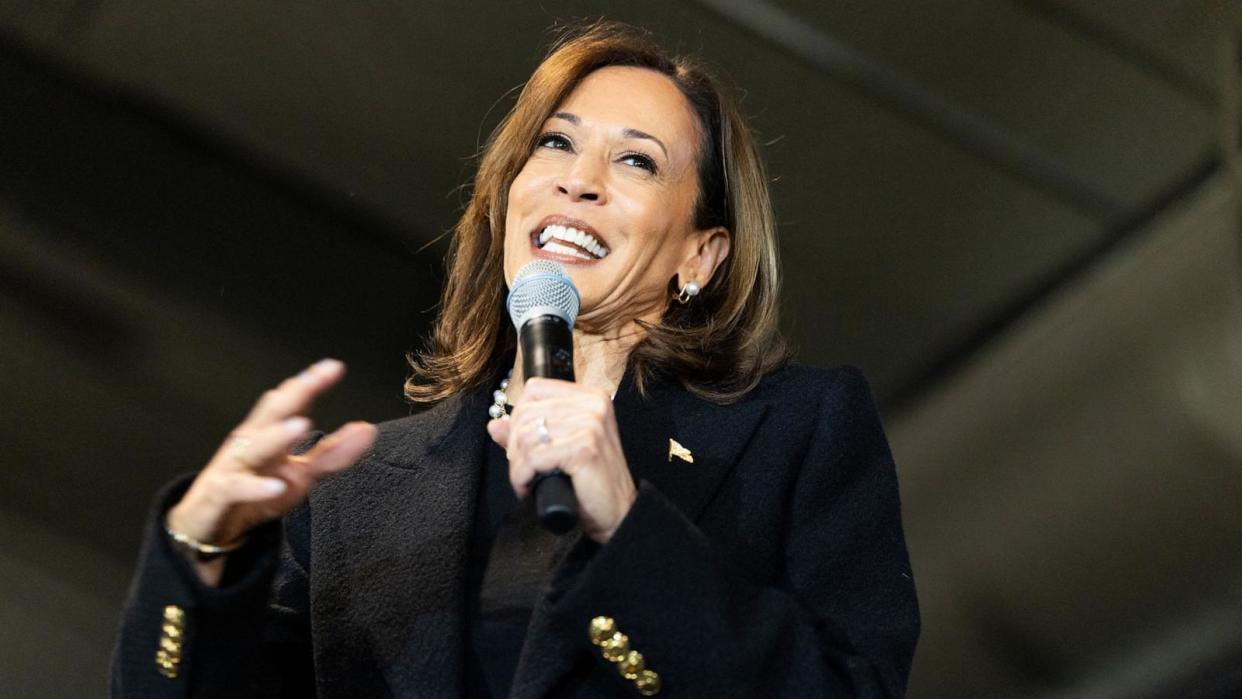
[571, 235]
[556, 247]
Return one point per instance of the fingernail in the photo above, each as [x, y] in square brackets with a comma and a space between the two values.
[311, 374]
[275, 486]
[296, 425]
[326, 364]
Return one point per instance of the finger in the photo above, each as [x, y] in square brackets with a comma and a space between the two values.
[591, 403]
[563, 455]
[251, 451]
[247, 487]
[557, 410]
[568, 453]
[295, 394]
[539, 388]
[527, 437]
[520, 477]
[339, 449]
[567, 404]
[499, 430]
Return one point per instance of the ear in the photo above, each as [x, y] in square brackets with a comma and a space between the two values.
[706, 250]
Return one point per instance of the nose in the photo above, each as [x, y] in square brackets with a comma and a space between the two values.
[583, 181]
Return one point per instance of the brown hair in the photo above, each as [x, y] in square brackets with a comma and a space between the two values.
[721, 343]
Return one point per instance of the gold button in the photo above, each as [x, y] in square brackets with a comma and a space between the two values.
[168, 655]
[170, 644]
[648, 683]
[174, 615]
[631, 665]
[602, 629]
[616, 648]
[166, 664]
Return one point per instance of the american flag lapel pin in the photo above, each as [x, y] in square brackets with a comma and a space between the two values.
[675, 449]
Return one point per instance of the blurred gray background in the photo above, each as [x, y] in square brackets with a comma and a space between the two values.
[1019, 217]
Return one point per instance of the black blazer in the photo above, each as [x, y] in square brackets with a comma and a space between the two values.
[773, 565]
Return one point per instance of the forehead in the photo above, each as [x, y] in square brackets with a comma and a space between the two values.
[625, 97]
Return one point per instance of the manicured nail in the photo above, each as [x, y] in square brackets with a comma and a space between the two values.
[275, 486]
[311, 374]
[296, 425]
[326, 364]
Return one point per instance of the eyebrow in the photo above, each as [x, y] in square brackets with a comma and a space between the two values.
[628, 133]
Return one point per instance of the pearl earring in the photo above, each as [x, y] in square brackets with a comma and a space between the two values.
[688, 291]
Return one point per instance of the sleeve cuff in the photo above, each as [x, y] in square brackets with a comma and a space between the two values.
[248, 570]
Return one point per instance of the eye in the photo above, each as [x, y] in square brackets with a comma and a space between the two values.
[555, 141]
[640, 160]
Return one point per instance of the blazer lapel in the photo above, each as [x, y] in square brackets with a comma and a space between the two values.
[714, 436]
[428, 502]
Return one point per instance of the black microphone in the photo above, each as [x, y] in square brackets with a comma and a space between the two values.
[543, 303]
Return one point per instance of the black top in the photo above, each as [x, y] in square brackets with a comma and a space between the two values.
[511, 559]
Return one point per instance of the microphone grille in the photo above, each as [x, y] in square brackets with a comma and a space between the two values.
[541, 287]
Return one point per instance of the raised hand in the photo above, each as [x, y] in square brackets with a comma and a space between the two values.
[252, 478]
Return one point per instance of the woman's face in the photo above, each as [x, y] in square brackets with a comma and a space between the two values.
[609, 193]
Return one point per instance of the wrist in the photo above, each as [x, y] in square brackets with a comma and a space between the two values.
[188, 520]
[190, 534]
[605, 536]
[199, 551]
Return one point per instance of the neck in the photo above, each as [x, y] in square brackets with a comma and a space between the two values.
[599, 359]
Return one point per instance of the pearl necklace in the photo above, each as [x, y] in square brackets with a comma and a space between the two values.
[500, 400]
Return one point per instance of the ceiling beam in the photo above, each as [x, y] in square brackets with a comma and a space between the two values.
[884, 85]
[1124, 47]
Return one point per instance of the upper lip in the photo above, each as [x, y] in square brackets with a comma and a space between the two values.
[569, 222]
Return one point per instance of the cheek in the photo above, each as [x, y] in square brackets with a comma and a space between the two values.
[662, 231]
[515, 242]
[522, 196]
[518, 195]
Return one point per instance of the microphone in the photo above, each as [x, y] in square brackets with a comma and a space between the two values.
[543, 303]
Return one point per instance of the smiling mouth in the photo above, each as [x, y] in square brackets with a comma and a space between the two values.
[570, 241]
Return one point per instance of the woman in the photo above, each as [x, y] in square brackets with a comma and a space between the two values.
[740, 531]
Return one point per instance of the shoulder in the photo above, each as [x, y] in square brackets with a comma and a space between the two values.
[832, 406]
[813, 386]
[400, 445]
[795, 394]
[404, 438]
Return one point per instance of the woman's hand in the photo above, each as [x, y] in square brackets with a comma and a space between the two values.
[252, 478]
[582, 440]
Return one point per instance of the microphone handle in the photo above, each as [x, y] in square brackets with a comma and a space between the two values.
[548, 352]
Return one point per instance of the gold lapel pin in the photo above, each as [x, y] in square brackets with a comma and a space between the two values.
[675, 449]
